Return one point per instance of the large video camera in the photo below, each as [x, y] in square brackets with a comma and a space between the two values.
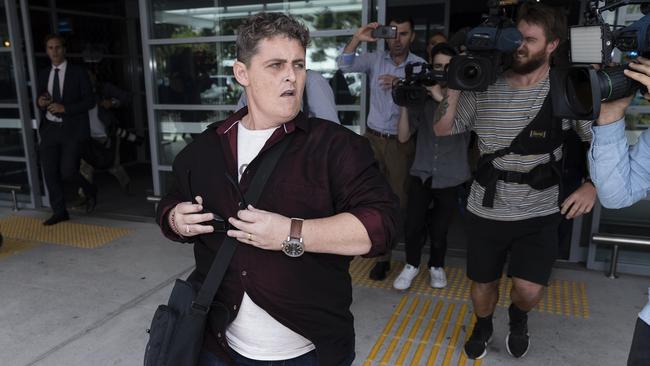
[577, 91]
[411, 91]
[489, 51]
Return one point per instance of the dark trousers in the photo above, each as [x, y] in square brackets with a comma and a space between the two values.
[60, 158]
[420, 197]
[640, 349]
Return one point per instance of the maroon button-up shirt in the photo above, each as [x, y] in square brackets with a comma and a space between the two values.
[325, 171]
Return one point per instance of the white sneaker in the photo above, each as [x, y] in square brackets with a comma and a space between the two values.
[438, 277]
[403, 281]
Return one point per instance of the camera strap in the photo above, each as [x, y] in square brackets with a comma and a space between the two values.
[542, 135]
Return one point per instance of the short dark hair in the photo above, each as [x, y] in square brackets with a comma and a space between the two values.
[267, 25]
[436, 33]
[402, 19]
[54, 36]
[551, 19]
[443, 48]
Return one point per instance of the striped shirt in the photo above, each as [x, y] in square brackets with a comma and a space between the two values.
[497, 116]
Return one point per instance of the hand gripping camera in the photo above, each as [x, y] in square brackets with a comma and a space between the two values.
[577, 91]
[489, 49]
[411, 91]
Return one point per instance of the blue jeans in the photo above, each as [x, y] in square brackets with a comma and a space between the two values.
[308, 359]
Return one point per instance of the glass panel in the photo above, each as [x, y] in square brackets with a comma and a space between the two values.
[7, 84]
[93, 37]
[179, 19]
[94, 6]
[196, 74]
[166, 182]
[321, 57]
[178, 128]
[41, 27]
[11, 139]
[12, 172]
[4, 30]
[351, 120]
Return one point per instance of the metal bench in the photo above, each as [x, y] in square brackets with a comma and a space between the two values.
[616, 241]
[13, 188]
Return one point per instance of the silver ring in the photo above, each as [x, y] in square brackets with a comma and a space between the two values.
[187, 229]
[250, 237]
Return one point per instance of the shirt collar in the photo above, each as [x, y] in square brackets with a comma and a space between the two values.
[62, 66]
[300, 121]
[409, 58]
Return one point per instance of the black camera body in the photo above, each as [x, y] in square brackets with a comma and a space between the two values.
[577, 91]
[489, 50]
[411, 91]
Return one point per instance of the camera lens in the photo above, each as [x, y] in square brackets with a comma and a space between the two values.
[578, 90]
[470, 72]
[614, 84]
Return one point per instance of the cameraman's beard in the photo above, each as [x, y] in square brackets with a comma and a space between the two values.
[536, 61]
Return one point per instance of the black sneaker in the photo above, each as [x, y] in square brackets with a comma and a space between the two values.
[379, 271]
[517, 341]
[476, 345]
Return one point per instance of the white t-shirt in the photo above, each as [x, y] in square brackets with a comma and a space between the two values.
[254, 333]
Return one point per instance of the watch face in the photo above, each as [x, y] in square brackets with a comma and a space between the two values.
[293, 248]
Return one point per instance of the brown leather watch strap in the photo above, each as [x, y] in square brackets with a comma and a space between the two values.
[296, 228]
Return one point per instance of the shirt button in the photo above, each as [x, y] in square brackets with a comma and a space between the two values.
[243, 273]
[219, 335]
[234, 307]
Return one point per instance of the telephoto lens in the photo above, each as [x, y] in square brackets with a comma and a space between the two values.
[614, 84]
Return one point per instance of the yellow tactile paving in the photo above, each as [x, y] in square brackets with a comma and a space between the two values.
[65, 233]
[562, 297]
[439, 342]
[11, 246]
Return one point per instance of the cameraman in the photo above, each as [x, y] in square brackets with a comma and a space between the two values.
[440, 165]
[383, 68]
[622, 177]
[513, 203]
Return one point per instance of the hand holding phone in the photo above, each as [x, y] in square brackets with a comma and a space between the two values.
[385, 31]
[218, 223]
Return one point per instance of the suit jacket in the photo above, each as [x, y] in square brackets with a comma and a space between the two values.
[77, 99]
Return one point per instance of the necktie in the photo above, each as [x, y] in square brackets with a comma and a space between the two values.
[56, 89]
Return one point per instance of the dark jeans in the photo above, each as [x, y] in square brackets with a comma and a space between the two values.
[445, 201]
[308, 359]
[640, 349]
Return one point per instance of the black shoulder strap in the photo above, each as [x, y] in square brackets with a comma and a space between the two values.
[224, 255]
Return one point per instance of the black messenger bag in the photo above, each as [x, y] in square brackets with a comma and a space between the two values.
[176, 332]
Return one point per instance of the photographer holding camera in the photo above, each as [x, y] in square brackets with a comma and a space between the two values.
[513, 203]
[439, 167]
[622, 177]
[383, 68]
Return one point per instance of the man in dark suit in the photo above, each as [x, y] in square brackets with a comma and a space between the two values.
[65, 96]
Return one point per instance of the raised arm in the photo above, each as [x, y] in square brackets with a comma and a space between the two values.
[443, 119]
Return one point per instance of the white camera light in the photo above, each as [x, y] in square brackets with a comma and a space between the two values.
[586, 44]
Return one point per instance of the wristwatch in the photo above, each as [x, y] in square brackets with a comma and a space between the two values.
[293, 246]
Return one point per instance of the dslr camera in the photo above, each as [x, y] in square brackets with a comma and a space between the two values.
[489, 51]
[411, 91]
[577, 91]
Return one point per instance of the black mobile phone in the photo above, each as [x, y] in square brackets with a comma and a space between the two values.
[384, 31]
[218, 223]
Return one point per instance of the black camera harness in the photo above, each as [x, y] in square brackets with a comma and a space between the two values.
[542, 135]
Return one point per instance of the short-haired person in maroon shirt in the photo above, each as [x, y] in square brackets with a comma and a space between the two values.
[327, 182]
